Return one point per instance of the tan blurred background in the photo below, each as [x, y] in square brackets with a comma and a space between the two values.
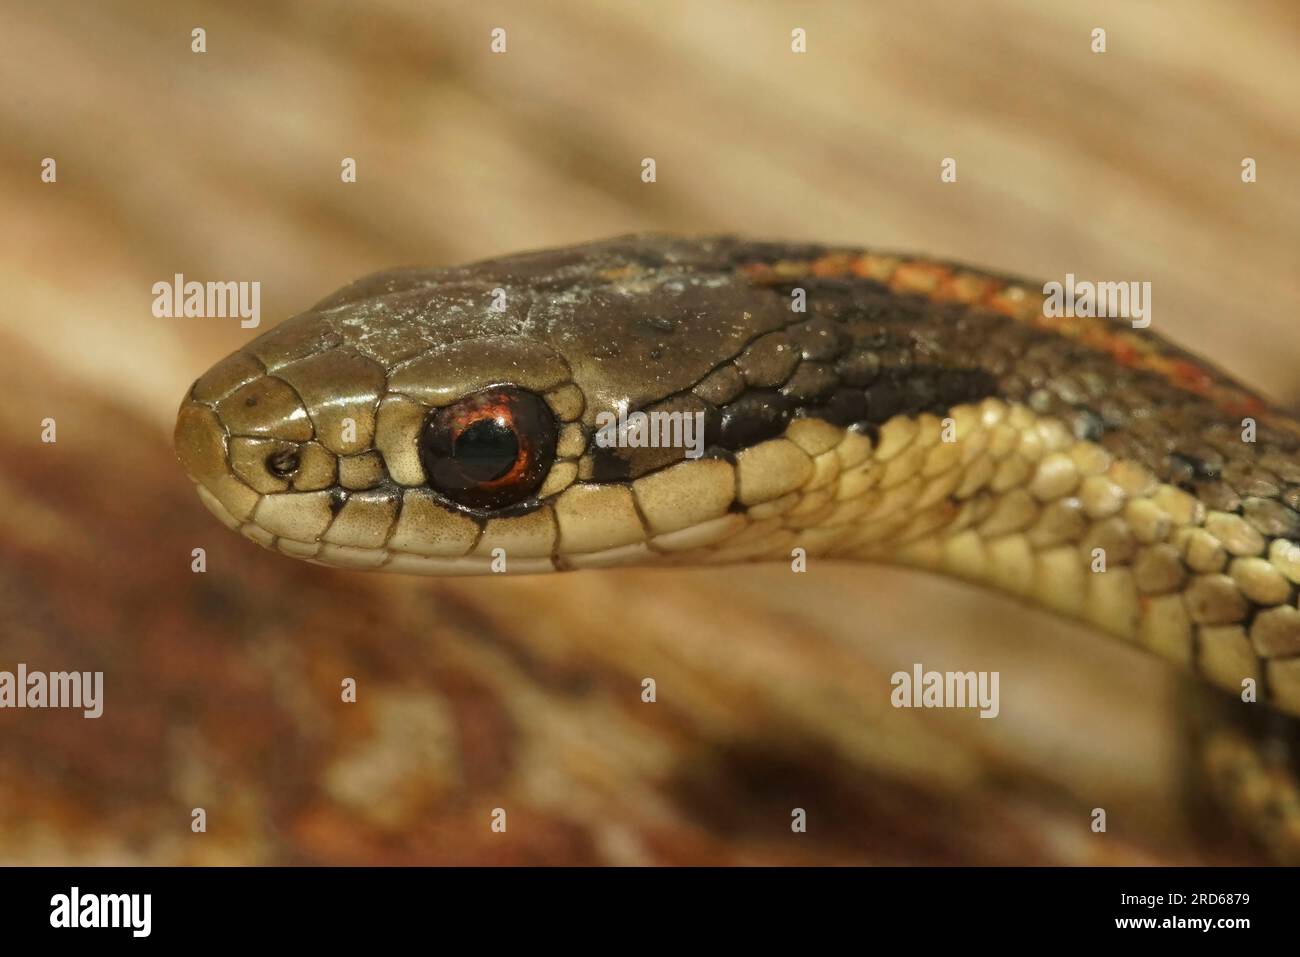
[222, 689]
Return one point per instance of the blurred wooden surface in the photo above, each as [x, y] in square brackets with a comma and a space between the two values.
[222, 689]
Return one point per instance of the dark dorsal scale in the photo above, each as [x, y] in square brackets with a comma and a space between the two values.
[953, 353]
[865, 356]
[860, 358]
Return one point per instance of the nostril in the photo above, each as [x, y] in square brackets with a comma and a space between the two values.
[282, 463]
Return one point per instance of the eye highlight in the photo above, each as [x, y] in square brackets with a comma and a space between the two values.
[490, 449]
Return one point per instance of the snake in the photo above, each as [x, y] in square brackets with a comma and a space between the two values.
[682, 401]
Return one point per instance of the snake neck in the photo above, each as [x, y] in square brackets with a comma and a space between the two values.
[996, 494]
[1082, 464]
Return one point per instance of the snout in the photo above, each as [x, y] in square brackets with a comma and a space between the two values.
[200, 441]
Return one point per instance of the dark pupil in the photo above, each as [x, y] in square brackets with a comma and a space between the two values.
[486, 450]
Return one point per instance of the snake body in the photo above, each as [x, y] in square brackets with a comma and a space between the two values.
[854, 405]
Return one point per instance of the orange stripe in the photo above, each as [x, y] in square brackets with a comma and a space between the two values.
[940, 283]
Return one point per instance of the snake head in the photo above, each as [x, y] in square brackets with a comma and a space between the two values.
[448, 421]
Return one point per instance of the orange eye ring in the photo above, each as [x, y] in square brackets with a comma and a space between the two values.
[490, 449]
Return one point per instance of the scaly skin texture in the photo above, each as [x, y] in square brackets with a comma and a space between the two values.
[916, 412]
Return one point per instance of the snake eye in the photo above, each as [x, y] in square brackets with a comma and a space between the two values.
[489, 449]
